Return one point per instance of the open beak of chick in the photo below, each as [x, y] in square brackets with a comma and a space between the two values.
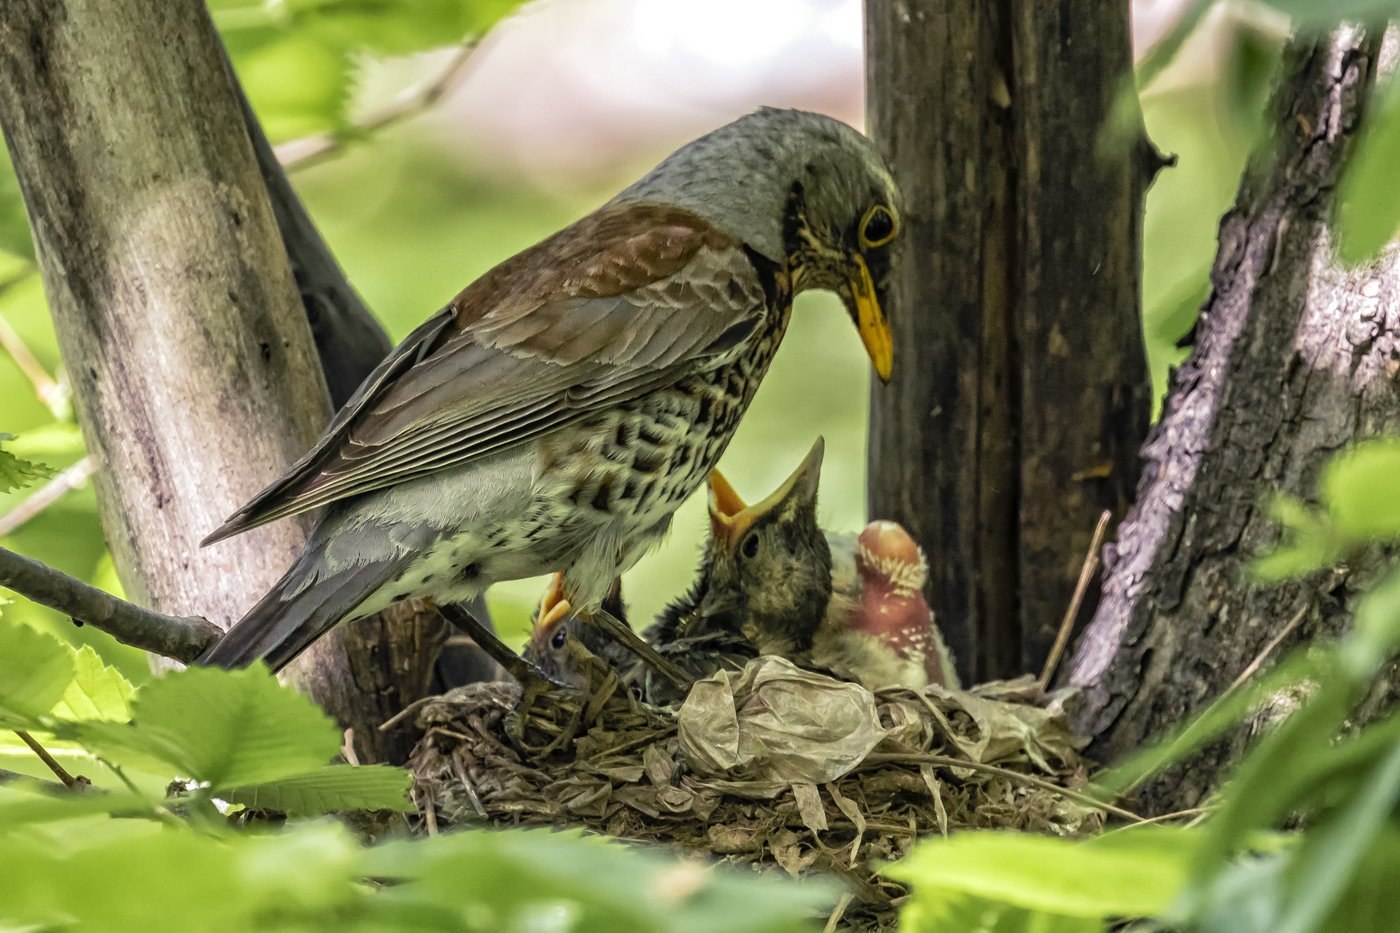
[731, 519]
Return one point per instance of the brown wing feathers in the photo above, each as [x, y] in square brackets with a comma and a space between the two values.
[616, 305]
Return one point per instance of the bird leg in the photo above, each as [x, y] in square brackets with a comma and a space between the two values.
[623, 634]
[525, 673]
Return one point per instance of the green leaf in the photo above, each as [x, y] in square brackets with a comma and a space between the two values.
[135, 876]
[939, 911]
[298, 86]
[1375, 635]
[27, 803]
[1244, 898]
[96, 692]
[1369, 199]
[1135, 872]
[35, 670]
[398, 27]
[1315, 14]
[229, 728]
[16, 473]
[1369, 900]
[1361, 489]
[1308, 542]
[1267, 783]
[1327, 861]
[502, 880]
[298, 59]
[330, 789]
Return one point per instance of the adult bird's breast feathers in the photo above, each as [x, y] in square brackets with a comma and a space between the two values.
[624, 302]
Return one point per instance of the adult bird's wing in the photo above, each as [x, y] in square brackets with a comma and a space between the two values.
[625, 301]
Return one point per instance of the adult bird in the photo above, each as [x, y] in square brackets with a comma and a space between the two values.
[555, 413]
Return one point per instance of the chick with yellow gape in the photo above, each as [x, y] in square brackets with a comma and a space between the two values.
[773, 582]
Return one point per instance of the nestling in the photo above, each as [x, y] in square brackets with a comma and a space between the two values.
[773, 582]
[849, 604]
[878, 628]
[555, 413]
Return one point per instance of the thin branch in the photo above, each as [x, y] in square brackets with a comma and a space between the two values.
[70, 782]
[833, 921]
[63, 483]
[1253, 667]
[1191, 815]
[49, 390]
[183, 639]
[301, 153]
[1086, 574]
[1031, 780]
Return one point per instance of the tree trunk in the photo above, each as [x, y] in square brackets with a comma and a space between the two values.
[349, 340]
[1020, 396]
[176, 314]
[195, 374]
[1294, 359]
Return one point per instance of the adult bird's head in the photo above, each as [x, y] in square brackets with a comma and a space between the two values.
[805, 192]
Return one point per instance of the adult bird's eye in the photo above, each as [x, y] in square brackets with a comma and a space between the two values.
[560, 636]
[749, 546]
[878, 227]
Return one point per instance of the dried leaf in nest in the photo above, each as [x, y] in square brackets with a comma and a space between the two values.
[770, 765]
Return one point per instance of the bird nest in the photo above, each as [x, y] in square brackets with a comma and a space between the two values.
[772, 766]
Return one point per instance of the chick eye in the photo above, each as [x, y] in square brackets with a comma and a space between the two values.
[749, 546]
[560, 636]
[878, 227]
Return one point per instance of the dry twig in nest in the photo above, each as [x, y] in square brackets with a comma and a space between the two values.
[772, 766]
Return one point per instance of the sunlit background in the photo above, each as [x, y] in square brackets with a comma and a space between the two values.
[557, 109]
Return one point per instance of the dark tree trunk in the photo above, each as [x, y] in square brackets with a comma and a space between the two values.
[1295, 358]
[1020, 396]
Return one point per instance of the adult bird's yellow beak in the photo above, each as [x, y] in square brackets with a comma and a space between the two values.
[870, 317]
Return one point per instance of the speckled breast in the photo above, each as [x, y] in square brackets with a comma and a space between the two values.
[642, 458]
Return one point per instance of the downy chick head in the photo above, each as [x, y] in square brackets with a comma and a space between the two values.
[768, 564]
[566, 648]
[892, 608]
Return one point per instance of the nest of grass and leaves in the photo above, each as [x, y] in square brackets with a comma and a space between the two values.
[773, 768]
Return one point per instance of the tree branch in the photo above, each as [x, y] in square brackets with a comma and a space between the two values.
[301, 153]
[69, 479]
[177, 637]
[349, 340]
[364, 672]
[1016, 418]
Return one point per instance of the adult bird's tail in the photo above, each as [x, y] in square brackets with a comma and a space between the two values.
[299, 609]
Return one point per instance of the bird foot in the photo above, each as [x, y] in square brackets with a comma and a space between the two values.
[622, 633]
[526, 674]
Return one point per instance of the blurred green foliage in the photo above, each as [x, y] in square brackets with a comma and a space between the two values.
[1235, 871]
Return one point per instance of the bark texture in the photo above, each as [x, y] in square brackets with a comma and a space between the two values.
[1020, 395]
[195, 372]
[177, 316]
[349, 340]
[1295, 358]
